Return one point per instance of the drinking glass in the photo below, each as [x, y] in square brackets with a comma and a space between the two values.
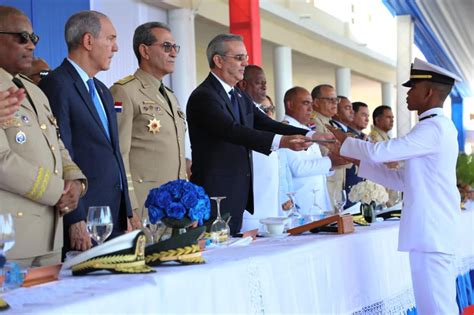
[340, 199]
[296, 219]
[220, 230]
[316, 212]
[99, 223]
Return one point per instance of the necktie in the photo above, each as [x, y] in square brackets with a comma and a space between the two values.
[235, 104]
[163, 92]
[101, 112]
[98, 106]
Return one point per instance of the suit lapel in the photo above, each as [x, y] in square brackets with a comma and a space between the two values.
[221, 92]
[84, 94]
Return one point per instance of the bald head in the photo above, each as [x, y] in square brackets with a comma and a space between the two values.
[298, 103]
[5, 13]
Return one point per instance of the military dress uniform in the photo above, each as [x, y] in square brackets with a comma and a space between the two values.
[429, 225]
[151, 134]
[335, 182]
[33, 167]
[377, 135]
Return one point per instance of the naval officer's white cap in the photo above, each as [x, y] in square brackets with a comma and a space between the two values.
[425, 71]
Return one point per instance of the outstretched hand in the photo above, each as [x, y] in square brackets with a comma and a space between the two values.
[295, 142]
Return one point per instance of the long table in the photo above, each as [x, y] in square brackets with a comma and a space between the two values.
[358, 273]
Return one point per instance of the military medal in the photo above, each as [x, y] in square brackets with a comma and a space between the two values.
[20, 137]
[154, 125]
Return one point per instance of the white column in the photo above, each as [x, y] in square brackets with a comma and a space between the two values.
[343, 82]
[405, 37]
[387, 94]
[183, 79]
[283, 77]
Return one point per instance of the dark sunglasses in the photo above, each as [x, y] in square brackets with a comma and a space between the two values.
[24, 37]
[167, 46]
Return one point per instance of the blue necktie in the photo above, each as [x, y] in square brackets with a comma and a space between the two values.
[235, 104]
[101, 112]
[98, 106]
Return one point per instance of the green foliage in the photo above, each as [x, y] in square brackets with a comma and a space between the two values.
[465, 169]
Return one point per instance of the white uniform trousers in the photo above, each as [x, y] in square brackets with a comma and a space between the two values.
[434, 283]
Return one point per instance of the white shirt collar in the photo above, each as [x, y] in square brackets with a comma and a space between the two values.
[226, 86]
[340, 124]
[81, 73]
[437, 110]
[295, 123]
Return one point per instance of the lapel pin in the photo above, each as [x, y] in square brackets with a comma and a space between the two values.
[20, 137]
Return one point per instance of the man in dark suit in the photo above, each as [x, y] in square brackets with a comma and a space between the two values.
[224, 126]
[85, 112]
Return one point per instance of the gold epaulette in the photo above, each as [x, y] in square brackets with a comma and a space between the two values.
[125, 80]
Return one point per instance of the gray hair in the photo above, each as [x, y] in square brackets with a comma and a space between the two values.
[316, 92]
[143, 35]
[79, 24]
[217, 46]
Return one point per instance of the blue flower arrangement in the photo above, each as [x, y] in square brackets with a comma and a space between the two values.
[177, 203]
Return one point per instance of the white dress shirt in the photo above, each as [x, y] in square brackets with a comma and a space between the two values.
[308, 171]
[431, 211]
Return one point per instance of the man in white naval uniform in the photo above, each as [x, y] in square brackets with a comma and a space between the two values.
[431, 213]
[308, 168]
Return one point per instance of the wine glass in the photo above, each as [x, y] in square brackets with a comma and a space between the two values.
[296, 219]
[99, 223]
[316, 212]
[340, 199]
[220, 230]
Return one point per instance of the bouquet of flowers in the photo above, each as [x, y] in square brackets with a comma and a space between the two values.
[368, 192]
[178, 203]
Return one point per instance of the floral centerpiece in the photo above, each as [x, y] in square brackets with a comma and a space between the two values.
[178, 204]
[369, 194]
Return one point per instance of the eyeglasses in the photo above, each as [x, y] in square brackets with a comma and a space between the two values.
[167, 46]
[24, 37]
[330, 99]
[42, 74]
[239, 57]
[268, 109]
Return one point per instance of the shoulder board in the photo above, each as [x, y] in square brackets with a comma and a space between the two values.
[169, 89]
[286, 122]
[25, 78]
[125, 80]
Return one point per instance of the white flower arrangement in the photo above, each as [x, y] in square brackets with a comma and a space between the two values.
[367, 191]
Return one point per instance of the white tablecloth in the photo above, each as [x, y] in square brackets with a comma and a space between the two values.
[318, 274]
